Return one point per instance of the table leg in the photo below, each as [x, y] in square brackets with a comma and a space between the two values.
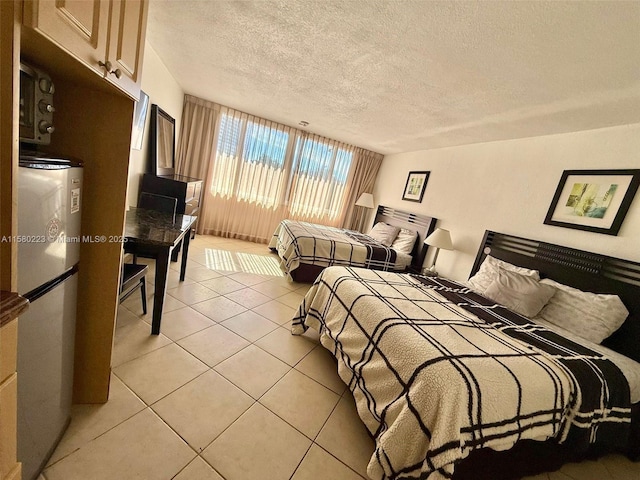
[185, 251]
[162, 271]
[176, 251]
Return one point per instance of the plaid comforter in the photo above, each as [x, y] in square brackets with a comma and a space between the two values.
[438, 371]
[300, 242]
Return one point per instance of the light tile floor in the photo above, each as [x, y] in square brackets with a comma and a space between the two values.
[226, 392]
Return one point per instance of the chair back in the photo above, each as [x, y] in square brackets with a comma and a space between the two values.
[159, 203]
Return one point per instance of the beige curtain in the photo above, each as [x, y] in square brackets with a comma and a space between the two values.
[258, 172]
[242, 199]
[366, 165]
[196, 143]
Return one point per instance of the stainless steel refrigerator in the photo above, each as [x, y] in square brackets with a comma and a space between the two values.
[49, 202]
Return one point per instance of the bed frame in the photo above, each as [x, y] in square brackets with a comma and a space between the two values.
[422, 224]
[584, 270]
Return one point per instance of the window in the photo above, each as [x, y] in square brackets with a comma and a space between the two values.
[261, 162]
[319, 177]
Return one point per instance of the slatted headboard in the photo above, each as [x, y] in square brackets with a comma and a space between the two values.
[422, 224]
[584, 270]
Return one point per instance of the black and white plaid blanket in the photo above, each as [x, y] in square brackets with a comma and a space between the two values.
[438, 371]
[308, 243]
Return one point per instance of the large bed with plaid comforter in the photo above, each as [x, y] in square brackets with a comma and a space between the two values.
[300, 244]
[438, 372]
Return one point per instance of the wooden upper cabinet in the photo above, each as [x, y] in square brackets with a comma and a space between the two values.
[97, 33]
[126, 42]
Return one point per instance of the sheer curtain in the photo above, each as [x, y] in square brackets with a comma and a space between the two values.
[258, 172]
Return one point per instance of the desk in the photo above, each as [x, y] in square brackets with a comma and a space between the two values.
[155, 234]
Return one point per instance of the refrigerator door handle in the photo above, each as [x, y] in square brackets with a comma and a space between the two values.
[45, 288]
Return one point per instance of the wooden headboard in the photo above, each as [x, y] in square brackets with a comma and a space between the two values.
[587, 271]
[422, 224]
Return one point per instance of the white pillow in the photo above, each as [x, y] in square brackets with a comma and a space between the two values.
[489, 270]
[405, 241]
[384, 233]
[520, 293]
[591, 316]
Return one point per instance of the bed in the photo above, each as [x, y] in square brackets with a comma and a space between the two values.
[453, 385]
[305, 249]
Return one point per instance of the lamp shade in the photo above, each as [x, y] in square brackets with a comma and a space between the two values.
[440, 238]
[365, 200]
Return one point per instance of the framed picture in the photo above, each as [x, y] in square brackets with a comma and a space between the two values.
[139, 121]
[414, 189]
[593, 200]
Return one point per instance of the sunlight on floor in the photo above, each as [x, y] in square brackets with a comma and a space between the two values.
[226, 260]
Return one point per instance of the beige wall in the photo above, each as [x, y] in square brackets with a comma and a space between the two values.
[508, 186]
[164, 91]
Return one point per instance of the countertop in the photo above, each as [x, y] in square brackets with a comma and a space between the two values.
[11, 306]
[153, 227]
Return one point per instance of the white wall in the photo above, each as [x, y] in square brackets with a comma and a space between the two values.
[164, 91]
[508, 186]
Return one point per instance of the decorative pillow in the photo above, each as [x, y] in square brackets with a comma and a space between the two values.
[488, 272]
[522, 294]
[384, 233]
[405, 240]
[591, 316]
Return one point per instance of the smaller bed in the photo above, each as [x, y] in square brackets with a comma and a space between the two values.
[305, 249]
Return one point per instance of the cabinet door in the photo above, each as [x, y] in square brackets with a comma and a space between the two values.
[126, 43]
[94, 31]
[77, 26]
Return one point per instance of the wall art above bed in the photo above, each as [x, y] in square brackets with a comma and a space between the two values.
[416, 184]
[593, 200]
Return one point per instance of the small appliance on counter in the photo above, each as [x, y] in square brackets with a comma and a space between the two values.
[36, 105]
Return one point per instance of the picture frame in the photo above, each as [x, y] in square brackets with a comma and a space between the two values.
[139, 121]
[593, 200]
[415, 186]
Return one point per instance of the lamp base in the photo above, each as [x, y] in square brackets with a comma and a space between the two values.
[430, 271]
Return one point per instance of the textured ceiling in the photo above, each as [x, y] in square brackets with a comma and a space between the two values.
[398, 76]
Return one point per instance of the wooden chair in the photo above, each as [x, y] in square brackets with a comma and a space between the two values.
[133, 277]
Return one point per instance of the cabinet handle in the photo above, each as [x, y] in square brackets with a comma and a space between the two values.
[107, 66]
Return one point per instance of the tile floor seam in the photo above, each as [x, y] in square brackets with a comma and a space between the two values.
[255, 400]
[212, 467]
[178, 388]
[312, 440]
[155, 351]
[320, 383]
[68, 454]
[182, 469]
[329, 453]
[221, 432]
[109, 429]
[147, 407]
[301, 460]
[178, 435]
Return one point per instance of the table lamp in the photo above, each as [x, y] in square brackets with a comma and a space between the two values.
[366, 201]
[440, 238]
